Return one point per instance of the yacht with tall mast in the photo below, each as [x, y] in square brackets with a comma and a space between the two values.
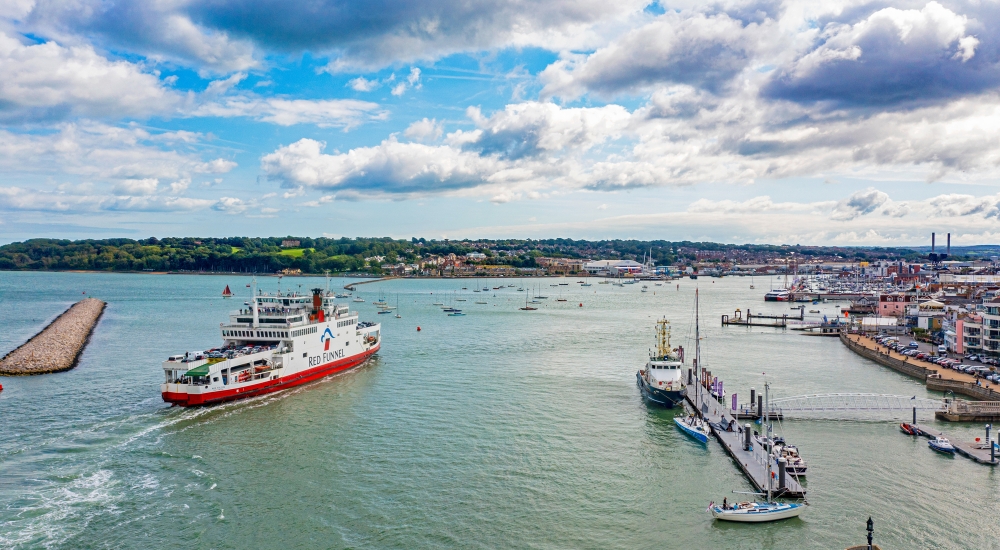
[693, 425]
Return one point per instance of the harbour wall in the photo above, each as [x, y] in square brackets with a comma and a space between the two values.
[59, 345]
[965, 388]
[350, 286]
[904, 367]
[915, 370]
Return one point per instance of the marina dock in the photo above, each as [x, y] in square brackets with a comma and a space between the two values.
[980, 452]
[748, 462]
[759, 320]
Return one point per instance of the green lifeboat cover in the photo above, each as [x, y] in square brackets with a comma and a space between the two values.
[198, 371]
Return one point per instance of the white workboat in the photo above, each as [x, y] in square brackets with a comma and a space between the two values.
[756, 512]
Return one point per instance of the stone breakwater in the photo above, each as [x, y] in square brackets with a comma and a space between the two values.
[59, 345]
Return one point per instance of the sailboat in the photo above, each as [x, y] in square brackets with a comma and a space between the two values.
[227, 293]
[526, 306]
[759, 512]
[693, 425]
[398, 316]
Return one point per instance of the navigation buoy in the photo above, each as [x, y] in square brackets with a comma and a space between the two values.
[418, 329]
[581, 304]
[84, 292]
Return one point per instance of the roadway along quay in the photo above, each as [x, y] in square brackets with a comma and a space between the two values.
[936, 377]
[58, 346]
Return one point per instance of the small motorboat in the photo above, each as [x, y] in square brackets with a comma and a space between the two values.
[908, 429]
[942, 445]
[756, 512]
[456, 314]
[693, 427]
[359, 300]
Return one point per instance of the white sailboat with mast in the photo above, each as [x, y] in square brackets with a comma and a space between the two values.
[759, 512]
[693, 425]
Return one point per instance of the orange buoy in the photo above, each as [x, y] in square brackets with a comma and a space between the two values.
[418, 329]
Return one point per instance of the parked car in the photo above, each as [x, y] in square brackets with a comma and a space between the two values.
[914, 345]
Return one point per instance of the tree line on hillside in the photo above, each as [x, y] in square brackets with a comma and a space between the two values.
[316, 255]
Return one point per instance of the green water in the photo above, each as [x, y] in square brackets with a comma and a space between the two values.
[500, 429]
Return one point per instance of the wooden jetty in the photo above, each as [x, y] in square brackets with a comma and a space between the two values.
[760, 320]
[980, 452]
[712, 411]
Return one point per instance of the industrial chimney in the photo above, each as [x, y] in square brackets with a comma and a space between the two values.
[948, 250]
[932, 243]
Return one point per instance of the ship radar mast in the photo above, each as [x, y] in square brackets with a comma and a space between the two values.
[662, 338]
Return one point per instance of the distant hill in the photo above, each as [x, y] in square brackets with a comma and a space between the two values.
[317, 255]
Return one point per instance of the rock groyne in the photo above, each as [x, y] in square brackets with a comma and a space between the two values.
[58, 346]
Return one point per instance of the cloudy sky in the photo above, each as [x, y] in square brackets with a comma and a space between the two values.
[789, 121]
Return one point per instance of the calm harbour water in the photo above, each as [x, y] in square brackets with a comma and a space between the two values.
[502, 428]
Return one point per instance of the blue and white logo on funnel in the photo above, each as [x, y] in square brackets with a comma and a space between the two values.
[326, 337]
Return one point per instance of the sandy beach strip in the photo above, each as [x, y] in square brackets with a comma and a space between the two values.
[58, 346]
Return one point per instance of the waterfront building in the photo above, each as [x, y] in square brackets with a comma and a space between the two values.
[965, 335]
[560, 266]
[613, 267]
[894, 305]
[991, 327]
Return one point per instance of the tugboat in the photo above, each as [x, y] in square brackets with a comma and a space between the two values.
[280, 341]
[661, 381]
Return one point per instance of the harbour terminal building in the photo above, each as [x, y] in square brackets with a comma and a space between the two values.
[613, 268]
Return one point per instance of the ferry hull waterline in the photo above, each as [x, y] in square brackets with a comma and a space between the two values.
[279, 342]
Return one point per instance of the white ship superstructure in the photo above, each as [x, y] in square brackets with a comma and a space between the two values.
[277, 342]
